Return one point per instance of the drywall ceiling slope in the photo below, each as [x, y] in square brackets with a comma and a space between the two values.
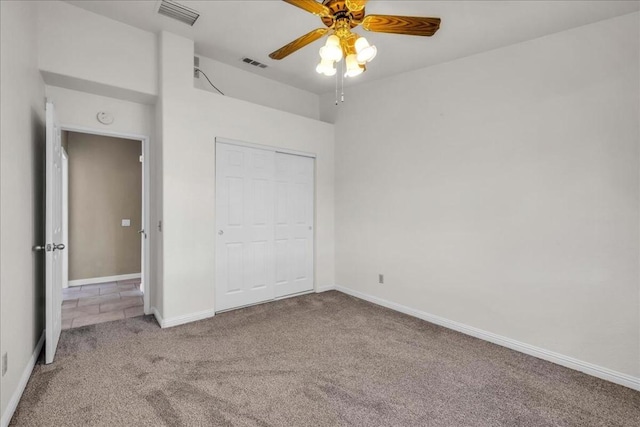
[228, 30]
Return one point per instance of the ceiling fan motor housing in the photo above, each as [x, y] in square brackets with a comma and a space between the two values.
[339, 12]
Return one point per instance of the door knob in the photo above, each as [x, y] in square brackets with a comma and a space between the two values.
[220, 232]
[49, 247]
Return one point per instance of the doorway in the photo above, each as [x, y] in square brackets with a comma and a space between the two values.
[264, 222]
[104, 203]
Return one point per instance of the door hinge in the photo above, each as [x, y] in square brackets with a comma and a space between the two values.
[141, 158]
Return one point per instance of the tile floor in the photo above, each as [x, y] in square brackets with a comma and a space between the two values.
[103, 302]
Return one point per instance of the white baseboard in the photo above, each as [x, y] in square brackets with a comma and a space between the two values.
[560, 359]
[95, 280]
[325, 288]
[157, 315]
[24, 379]
[181, 320]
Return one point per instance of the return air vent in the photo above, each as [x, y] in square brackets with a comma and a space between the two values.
[177, 11]
[254, 62]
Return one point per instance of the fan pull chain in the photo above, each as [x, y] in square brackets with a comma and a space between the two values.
[342, 79]
[336, 89]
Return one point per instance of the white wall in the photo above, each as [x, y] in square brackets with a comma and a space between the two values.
[501, 191]
[84, 56]
[191, 119]
[21, 195]
[85, 51]
[241, 84]
[75, 108]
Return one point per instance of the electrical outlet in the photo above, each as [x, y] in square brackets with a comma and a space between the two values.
[381, 278]
[5, 363]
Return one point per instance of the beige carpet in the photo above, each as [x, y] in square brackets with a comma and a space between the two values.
[317, 360]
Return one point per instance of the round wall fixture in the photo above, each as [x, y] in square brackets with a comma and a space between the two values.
[105, 118]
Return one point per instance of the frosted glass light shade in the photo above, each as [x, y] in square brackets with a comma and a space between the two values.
[364, 51]
[331, 53]
[333, 40]
[331, 49]
[353, 68]
[326, 67]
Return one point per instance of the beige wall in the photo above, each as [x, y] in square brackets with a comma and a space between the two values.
[105, 186]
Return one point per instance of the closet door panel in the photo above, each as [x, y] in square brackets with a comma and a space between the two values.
[294, 228]
[245, 223]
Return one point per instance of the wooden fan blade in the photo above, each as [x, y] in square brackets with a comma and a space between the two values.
[355, 5]
[311, 6]
[298, 43]
[410, 25]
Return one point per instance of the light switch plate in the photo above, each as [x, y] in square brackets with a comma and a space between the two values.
[126, 223]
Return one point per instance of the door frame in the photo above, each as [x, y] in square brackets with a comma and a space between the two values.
[65, 218]
[268, 148]
[275, 149]
[145, 266]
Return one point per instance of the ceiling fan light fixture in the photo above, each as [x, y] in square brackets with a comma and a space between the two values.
[339, 18]
[364, 51]
[353, 68]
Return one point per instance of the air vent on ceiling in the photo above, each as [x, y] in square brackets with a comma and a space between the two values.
[177, 11]
[253, 62]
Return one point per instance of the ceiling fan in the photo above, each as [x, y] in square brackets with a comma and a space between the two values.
[340, 17]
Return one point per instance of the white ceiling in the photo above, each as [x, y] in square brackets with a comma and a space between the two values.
[228, 30]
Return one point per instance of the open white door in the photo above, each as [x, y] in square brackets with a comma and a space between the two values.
[53, 234]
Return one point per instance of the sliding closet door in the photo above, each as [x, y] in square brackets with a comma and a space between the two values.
[245, 226]
[294, 224]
